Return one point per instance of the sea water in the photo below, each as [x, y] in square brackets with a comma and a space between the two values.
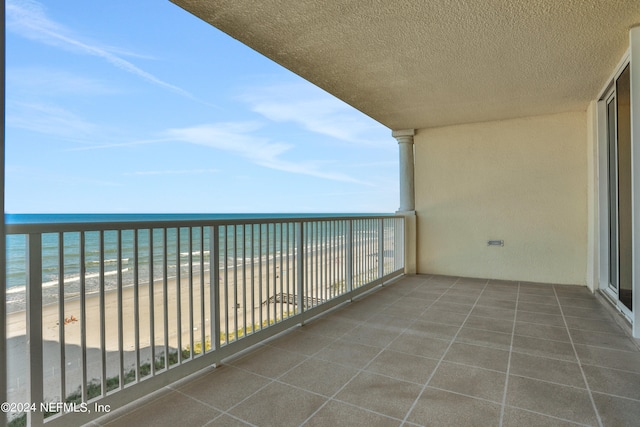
[268, 241]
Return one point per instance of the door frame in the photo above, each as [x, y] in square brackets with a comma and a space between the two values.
[603, 185]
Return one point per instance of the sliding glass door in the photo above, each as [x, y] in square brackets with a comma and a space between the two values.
[620, 191]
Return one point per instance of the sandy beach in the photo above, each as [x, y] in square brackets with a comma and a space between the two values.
[245, 306]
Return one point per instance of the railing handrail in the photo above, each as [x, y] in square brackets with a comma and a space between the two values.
[65, 227]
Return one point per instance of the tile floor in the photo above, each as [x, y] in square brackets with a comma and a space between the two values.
[425, 350]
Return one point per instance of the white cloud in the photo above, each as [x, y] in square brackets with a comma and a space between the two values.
[43, 81]
[29, 19]
[49, 119]
[314, 110]
[174, 172]
[237, 138]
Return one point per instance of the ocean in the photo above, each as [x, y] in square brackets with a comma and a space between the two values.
[268, 241]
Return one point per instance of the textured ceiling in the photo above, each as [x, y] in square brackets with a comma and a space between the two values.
[419, 63]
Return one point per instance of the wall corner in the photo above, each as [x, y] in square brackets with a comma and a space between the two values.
[410, 241]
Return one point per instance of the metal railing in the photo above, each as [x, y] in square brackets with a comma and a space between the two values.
[100, 314]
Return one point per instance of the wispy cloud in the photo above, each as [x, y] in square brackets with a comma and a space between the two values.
[238, 138]
[47, 81]
[128, 143]
[311, 108]
[49, 119]
[174, 172]
[29, 19]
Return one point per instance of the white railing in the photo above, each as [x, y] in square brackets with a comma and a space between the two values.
[110, 312]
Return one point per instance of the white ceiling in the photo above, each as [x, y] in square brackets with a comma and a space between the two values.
[427, 63]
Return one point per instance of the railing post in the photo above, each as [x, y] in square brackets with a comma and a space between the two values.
[214, 285]
[300, 270]
[349, 250]
[403, 243]
[34, 328]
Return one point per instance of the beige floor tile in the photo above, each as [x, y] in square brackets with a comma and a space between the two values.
[559, 401]
[319, 376]
[403, 366]
[469, 380]
[341, 414]
[170, 410]
[278, 405]
[224, 387]
[438, 408]
[380, 394]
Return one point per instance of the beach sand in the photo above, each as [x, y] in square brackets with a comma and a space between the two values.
[250, 308]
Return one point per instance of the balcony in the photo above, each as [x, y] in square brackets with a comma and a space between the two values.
[310, 321]
[423, 350]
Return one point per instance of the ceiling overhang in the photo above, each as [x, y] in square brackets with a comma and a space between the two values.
[419, 64]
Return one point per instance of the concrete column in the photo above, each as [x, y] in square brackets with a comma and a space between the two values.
[407, 187]
[407, 198]
[634, 42]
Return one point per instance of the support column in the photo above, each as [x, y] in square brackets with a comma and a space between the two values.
[407, 188]
[407, 197]
[634, 43]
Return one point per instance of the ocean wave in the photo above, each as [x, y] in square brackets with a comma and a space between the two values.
[108, 261]
[73, 279]
[196, 253]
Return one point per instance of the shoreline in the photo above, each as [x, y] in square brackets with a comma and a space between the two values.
[248, 304]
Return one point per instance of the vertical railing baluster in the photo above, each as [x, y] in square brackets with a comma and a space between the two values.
[275, 271]
[370, 248]
[136, 299]
[381, 248]
[202, 315]
[103, 326]
[190, 258]
[266, 273]
[327, 257]
[400, 239]
[282, 297]
[331, 260]
[253, 279]
[225, 283]
[349, 253]
[83, 315]
[235, 282]
[260, 254]
[120, 309]
[299, 263]
[288, 265]
[61, 315]
[320, 260]
[152, 317]
[179, 294]
[165, 295]
[309, 260]
[369, 236]
[214, 286]
[244, 278]
[34, 327]
[316, 234]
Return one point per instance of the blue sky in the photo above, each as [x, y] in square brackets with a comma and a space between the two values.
[120, 106]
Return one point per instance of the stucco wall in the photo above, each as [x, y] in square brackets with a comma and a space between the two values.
[523, 181]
